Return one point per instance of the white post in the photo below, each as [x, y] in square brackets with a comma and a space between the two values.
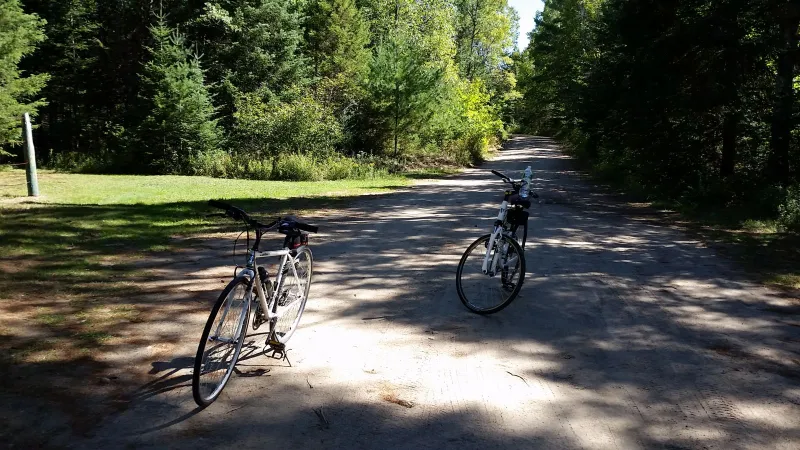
[30, 157]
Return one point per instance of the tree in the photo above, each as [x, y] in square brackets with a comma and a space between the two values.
[403, 87]
[788, 14]
[337, 37]
[484, 34]
[251, 46]
[19, 34]
[180, 125]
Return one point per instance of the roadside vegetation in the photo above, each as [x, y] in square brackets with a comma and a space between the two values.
[692, 105]
[297, 90]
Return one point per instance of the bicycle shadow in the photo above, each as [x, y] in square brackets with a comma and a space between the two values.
[166, 382]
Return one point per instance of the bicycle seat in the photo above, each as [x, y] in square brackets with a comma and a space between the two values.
[517, 200]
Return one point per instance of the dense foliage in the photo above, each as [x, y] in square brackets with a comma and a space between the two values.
[19, 34]
[694, 100]
[289, 89]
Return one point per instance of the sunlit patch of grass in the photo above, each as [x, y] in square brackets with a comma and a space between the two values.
[432, 172]
[760, 226]
[80, 189]
[51, 320]
[90, 339]
[791, 280]
[37, 350]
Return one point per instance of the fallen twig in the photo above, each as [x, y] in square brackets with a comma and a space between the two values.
[234, 409]
[515, 375]
[392, 398]
[321, 415]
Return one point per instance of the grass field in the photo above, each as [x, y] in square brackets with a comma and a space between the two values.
[760, 246]
[71, 289]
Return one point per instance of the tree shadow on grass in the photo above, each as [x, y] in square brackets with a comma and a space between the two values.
[627, 332]
[76, 288]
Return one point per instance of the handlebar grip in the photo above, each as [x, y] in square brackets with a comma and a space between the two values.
[499, 174]
[307, 227]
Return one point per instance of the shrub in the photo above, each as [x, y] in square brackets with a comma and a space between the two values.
[789, 210]
[77, 162]
[296, 167]
[213, 163]
[339, 168]
[302, 126]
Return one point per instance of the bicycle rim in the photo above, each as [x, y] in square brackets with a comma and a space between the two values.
[221, 342]
[485, 294]
[293, 296]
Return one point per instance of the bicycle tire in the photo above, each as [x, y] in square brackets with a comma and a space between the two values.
[283, 328]
[200, 398]
[517, 287]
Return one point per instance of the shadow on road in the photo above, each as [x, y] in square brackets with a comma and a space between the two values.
[627, 333]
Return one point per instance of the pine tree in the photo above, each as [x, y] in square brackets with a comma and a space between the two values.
[180, 125]
[403, 87]
[19, 34]
[337, 37]
[72, 120]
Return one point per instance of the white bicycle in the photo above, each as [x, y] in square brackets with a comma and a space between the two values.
[280, 303]
[490, 274]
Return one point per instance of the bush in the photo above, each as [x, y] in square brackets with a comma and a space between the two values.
[77, 163]
[296, 167]
[340, 168]
[214, 163]
[789, 210]
[302, 126]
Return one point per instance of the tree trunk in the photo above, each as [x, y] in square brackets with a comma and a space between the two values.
[472, 40]
[784, 100]
[730, 127]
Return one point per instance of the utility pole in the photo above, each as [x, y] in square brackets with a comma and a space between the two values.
[30, 157]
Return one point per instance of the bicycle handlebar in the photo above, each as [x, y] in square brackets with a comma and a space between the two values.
[238, 214]
[501, 175]
[516, 184]
[306, 227]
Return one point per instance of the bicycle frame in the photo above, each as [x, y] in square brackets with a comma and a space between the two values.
[251, 272]
[286, 256]
[498, 230]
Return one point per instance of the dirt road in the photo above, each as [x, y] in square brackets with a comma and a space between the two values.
[627, 334]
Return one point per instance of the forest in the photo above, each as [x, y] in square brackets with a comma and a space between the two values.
[690, 101]
[262, 89]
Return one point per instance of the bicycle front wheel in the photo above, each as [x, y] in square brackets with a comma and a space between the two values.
[489, 293]
[221, 342]
[292, 296]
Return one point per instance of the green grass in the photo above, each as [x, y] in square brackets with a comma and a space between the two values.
[745, 234]
[432, 172]
[77, 189]
[95, 215]
[757, 243]
[68, 259]
[72, 286]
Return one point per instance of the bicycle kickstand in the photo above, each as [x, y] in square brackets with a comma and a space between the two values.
[277, 351]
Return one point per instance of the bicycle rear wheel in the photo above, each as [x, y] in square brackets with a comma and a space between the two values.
[221, 342]
[485, 294]
[293, 296]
